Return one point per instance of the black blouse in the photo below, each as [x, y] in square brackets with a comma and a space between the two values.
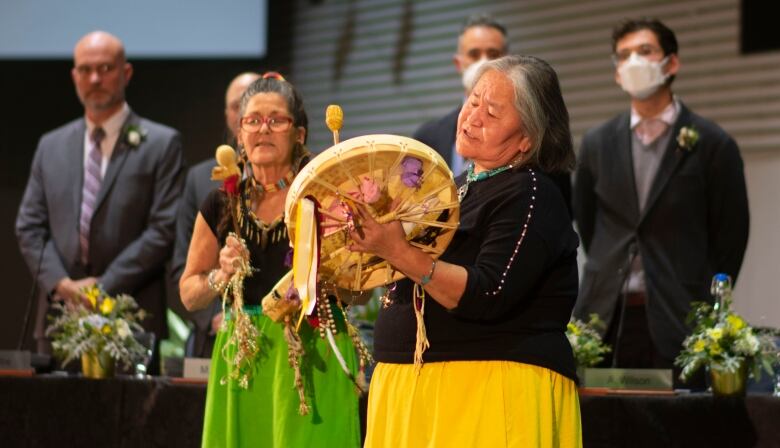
[269, 264]
[526, 320]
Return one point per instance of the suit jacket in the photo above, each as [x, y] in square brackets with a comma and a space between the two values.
[197, 186]
[439, 134]
[132, 229]
[695, 222]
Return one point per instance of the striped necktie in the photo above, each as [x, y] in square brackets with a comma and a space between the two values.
[89, 193]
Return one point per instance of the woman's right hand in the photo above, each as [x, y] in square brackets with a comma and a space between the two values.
[230, 256]
[382, 240]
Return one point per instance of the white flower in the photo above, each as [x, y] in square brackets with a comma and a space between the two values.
[94, 321]
[122, 329]
[687, 138]
[134, 137]
[747, 345]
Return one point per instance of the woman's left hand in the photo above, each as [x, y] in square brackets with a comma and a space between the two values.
[382, 240]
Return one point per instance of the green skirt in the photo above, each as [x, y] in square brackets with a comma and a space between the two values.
[266, 413]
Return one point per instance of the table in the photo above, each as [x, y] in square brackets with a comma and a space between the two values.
[694, 420]
[54, 411]
[49, 411]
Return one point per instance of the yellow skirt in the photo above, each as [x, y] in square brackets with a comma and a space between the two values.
[472, 404]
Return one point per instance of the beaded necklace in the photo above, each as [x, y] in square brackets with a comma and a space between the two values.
[511, 261]
[254, 228]
[279, 185]
[472, 177]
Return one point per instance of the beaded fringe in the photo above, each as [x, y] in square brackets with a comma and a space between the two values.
[244, 336]
[422, 344]
[364, 355]
[295, 354]
[257, 231]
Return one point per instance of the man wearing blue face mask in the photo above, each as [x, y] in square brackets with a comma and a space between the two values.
[660, 203]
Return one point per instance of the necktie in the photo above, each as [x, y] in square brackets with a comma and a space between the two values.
[89, 193]
[649, 130]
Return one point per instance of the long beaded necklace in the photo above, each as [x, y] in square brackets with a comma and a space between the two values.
[511, 261]
[472, 177]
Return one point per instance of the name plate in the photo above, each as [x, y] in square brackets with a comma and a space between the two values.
[197, 368]
[647, 379]
[14, 360]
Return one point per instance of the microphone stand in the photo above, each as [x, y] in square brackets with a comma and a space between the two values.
[622, 297]
[33, 290]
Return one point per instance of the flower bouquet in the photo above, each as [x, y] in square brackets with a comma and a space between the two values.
[727, 345]
[101, 330]
[586, 342]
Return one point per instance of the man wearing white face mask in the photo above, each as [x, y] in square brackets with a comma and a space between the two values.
[481, 39]
[660, 203]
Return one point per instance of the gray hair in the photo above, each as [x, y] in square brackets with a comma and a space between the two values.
[538, 100]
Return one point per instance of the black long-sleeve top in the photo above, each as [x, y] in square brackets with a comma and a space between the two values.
[526, 320]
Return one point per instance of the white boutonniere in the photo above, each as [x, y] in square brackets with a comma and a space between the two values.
[134, 135]
[687, 138]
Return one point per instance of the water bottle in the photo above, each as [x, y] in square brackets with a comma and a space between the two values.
[721, 292]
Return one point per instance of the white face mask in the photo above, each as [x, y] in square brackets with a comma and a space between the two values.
[640, 77]
[471, 71]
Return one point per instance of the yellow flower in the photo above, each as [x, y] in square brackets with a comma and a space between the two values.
[715, 349]
[107, 305]
[715, 333]
[92, 295]
[573, 328]
[699, 346]
[106, 329]
[735, 322]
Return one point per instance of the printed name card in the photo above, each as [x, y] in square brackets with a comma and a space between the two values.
[14, 360]
[197, 368]
[644, 379]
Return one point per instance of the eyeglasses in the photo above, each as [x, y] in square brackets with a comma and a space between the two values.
[644, 50]
[254, 123]
[101, 69]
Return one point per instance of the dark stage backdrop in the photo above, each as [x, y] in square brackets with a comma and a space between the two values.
[37, 96]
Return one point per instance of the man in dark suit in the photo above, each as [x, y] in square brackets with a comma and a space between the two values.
[660, 202]
[196, 187]
[481, 39]
[100, 203]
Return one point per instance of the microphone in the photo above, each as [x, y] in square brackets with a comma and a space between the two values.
[633, 251]
[33, 290]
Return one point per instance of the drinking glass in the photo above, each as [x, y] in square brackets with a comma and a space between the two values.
[142, 363]
[776, 391]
